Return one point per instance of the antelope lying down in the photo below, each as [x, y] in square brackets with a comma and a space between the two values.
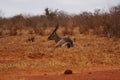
[60, 41]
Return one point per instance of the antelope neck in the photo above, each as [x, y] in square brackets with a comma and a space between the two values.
[57, 39]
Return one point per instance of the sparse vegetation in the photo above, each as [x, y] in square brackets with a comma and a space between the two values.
[99, 23]
[89, 50]
[100, 48]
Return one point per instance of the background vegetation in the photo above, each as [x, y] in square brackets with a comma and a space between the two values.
[100, 22]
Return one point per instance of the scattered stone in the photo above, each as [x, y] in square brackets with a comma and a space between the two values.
[45, 74]
[68, 72]
[89, 72]
[31, 39]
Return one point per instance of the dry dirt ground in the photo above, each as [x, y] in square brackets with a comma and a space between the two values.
[91, 58]
[57, 74]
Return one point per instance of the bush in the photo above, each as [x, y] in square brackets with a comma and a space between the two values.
[100, 22]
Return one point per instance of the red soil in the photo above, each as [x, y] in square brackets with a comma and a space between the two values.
[58, 74]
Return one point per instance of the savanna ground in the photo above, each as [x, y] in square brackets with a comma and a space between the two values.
[26, 54]
[90, 57]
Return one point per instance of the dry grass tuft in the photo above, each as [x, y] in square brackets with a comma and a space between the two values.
[88, 50]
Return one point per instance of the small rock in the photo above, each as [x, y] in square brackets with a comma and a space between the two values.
[89, 72]
[68, 72]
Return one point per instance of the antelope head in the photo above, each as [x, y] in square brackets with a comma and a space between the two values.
[53, 35]
[60, 41]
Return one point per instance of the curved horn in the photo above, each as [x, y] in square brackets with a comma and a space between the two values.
[57, 25]
[54, 31]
